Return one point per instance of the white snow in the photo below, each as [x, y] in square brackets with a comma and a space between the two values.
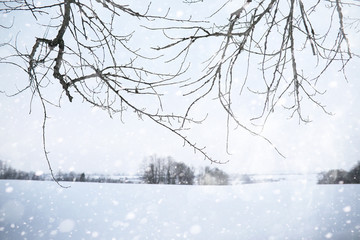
[276, 210]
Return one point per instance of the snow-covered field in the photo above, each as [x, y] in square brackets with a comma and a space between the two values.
[277, 210]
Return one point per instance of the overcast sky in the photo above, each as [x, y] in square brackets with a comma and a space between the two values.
[85, 139]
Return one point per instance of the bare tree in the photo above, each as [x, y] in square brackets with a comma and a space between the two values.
[92, 58]
[158, 170]
[213, 176]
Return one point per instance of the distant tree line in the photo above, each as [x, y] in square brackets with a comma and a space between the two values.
[339, 176]
[154, 170]
[167, 171]
[71, 177]
[7, 172]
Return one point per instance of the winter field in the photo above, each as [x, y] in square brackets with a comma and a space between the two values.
[292, 209]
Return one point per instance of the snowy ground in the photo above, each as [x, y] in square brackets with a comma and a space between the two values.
[277, 210]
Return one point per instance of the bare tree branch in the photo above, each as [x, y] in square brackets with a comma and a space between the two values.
[261, 50]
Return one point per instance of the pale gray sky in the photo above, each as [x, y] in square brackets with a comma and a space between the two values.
[85, 139]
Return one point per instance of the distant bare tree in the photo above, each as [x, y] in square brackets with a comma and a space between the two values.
[354, 174]
[213, 176]
[158, 170]
[92, 58]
